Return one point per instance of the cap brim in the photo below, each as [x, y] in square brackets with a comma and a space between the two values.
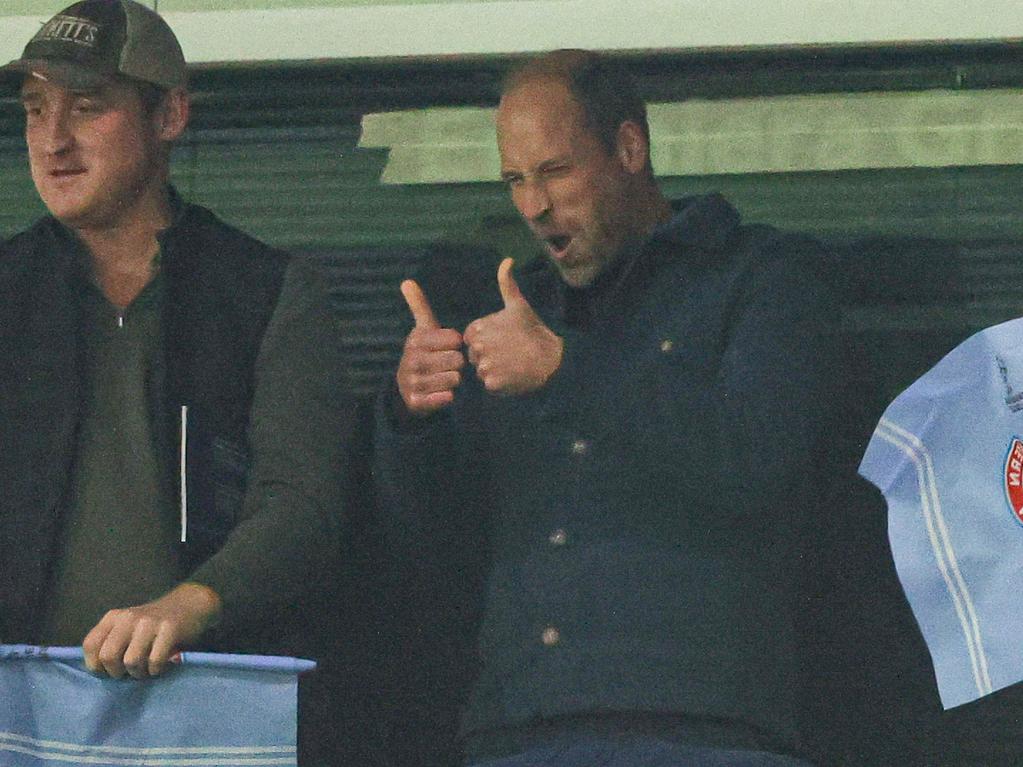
[67, 74]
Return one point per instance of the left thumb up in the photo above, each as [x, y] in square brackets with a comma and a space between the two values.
[510, 292]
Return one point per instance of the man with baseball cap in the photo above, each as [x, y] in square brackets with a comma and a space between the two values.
[130, 323]
[91, 42]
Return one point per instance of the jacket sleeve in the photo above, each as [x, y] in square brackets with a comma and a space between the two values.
[756, 440]
[428, 474]
[301, 432]
[777, 393]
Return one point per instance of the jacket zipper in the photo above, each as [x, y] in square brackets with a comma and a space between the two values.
[184, 474]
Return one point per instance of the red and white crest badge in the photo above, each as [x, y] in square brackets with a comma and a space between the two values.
[1012, 476]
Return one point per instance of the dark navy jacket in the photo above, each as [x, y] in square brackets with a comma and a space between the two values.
[640, 520]
[221, 290]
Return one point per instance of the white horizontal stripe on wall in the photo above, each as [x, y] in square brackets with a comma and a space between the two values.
[368, 30]
[925, 129]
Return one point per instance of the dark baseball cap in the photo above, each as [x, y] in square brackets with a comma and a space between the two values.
[92, 41]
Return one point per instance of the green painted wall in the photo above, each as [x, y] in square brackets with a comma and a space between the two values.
[702, 137]
[47, 7]
[30, 7]
[167, 6]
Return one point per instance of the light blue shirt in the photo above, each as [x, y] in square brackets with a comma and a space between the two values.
[948, 456]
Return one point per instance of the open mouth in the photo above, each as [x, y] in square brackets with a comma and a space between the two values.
[558, 243]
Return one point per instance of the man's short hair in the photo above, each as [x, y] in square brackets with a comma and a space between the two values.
[606, 93]
[151, 96]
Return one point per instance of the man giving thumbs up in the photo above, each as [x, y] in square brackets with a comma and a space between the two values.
[513, 351]
[633, 460]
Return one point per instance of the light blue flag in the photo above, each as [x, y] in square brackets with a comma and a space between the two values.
[208, 711]
[948, 456]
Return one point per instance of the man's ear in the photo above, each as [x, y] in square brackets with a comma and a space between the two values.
[632, 147]
[172, 116]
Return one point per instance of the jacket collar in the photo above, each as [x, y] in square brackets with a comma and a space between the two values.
[73, 247]
[179, 214]
[699, 232]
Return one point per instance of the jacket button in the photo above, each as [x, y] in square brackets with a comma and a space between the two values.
[558, 537]
[580, 447]
[550, 636]
[667, 345]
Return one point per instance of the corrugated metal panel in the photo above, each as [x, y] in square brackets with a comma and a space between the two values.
[365, 295]
[19, 203]
[956, 203]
